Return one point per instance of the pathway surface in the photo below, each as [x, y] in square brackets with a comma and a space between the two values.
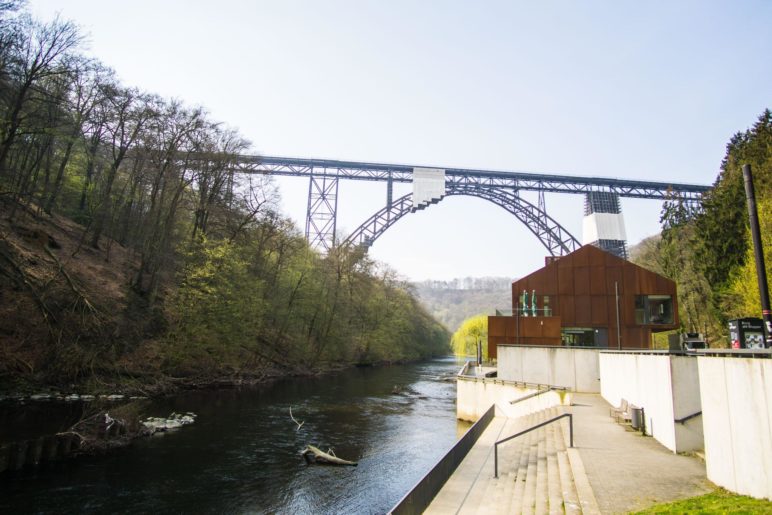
[628, 471]
[611, 469]
[537, 473]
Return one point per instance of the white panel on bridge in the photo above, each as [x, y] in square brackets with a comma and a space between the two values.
[428, 186]
[603, 226]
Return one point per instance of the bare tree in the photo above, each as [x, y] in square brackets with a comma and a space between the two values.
[39, 56]
[130, 112]
[170, 142]
[86, 78]
[214, 178]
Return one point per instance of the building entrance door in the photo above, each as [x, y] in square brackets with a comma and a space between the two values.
[601, 337]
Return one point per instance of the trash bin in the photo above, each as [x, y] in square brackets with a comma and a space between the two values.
[636, 418]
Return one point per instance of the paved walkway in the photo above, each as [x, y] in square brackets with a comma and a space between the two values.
[611, 469]
[628, 471]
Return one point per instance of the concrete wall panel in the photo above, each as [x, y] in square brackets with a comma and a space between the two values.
[666, 387]
[476, 395]
[568, 367]
[686, 401]
[737, 402]
[738, 444]
[587, 371]
[717, 423]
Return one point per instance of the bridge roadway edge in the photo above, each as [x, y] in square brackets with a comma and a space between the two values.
[555, 183]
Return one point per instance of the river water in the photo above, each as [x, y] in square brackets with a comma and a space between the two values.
[242, 455]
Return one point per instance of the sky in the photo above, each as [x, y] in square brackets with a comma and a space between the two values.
[624, 89]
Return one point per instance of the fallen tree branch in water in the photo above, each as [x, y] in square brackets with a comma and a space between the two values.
[315, 455]
[300, 424]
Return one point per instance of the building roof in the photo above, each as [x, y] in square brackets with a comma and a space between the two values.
[590, 255]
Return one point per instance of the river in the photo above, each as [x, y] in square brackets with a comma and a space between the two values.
[242, 455]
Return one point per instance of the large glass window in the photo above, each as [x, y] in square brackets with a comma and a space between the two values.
[585, 336]
[653, 309]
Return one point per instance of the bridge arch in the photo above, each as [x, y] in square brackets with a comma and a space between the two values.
[555, 238]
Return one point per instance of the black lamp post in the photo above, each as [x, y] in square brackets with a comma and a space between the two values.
[761, 270]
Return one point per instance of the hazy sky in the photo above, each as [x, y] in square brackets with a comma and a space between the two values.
[628, 89]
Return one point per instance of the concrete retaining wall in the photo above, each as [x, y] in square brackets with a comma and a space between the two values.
[573, 368]
[665, 386]
[475, 395]
[737, 404]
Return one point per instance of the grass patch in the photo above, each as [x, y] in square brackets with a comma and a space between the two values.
[720, 501]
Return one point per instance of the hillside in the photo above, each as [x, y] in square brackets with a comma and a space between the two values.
[62, 303]
[69, 313]
[451, 302]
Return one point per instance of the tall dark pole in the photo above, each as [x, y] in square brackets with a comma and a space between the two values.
[761, 270]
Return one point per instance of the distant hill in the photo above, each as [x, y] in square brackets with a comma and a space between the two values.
[453, 301]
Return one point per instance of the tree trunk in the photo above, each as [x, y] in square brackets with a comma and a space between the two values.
[59, 178]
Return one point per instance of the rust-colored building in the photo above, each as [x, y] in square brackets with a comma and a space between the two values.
[588, 298]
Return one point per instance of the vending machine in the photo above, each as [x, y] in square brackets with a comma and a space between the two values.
[747, 333]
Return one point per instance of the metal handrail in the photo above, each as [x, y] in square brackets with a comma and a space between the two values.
[687, 417]
[464, 369]
[534, 394]
[521, 433]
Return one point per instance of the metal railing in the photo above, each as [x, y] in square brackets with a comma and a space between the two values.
[421, 495]
[687, 417]
[536, 394]
[521, 433]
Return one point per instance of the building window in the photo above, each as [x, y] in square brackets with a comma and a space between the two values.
[584, 336]
[653, 309]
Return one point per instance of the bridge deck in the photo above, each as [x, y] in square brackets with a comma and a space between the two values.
[492, 178]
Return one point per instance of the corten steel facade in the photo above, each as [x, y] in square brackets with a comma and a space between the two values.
[586, 292]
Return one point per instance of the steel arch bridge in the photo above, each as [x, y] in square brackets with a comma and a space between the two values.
[553, 236]
[499, 187]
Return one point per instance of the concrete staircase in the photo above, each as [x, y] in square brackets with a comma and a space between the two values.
[538, 472]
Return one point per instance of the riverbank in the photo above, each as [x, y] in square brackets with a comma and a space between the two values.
[73, 321]
[134, 388]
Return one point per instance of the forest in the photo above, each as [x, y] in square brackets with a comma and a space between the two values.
[132, 251]
[709, 251]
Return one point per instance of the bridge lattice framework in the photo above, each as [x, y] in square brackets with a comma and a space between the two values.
[499, 187]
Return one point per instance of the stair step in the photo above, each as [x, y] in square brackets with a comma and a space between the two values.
[535, 472]
[587, 501]
[506, 481]
[553, 473]
[487, 502]
[516, 501]
[529, 494]
[542, 494]
[568, 489]
[505, 501]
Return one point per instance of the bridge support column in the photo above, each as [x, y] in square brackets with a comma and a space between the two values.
[321, 215]
[603, 224]
[389, 192]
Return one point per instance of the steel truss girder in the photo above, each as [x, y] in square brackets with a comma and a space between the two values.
[690, 193]
[557, 240]
[321, 215]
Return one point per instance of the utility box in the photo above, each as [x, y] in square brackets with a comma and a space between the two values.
[747, 333]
